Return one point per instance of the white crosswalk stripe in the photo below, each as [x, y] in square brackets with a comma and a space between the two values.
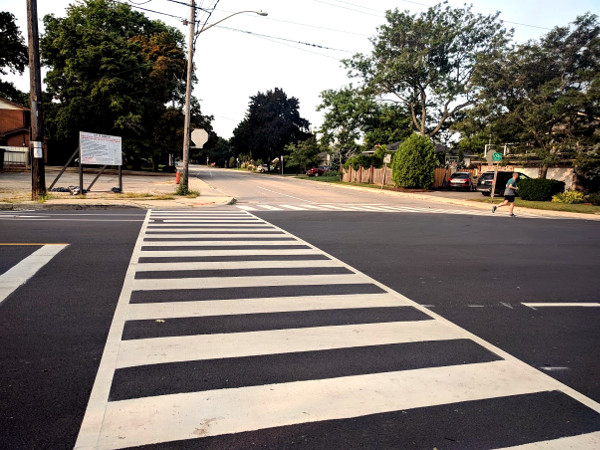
[348, 207]
[185, 280]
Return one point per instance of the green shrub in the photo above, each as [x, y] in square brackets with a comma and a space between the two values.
[231, 162]
[414, 163]
[539, 189]
[594, 198]
[569, 197]
[375, 160]
[169, 169]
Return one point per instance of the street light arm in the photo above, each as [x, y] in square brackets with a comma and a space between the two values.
[260, 13]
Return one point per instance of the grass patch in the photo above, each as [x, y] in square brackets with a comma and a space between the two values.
[324, 178]
[548, 206]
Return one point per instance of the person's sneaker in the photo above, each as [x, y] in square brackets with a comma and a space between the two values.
[513, 215]
[494, 208]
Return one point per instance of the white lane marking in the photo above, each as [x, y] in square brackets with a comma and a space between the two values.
[199, 213]
[285, 195]
[244, 282]
[295, 208]
[554, 368]
[201, 253]
[232, 265]
[201, 231]
[270, 208]
[91, 426]
[185, 224]
[162, 350]
[36, 218]
[581, 441]
[214, 236]
[508, 305]
[237, 222]
[563, 305]
[247, 208]
[170, 310]
[476, 306]
[217, 412]
[192, 244]
[18, 275]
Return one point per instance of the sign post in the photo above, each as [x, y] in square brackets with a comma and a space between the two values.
[386, 160]
[496, 158]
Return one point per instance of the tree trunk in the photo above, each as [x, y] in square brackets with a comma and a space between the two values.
[543, 172]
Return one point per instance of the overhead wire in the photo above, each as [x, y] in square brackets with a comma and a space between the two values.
[284, 39]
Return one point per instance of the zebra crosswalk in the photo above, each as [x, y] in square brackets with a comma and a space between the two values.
[348, 207]
[229, 331]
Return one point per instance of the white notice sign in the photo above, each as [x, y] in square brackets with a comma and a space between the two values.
[100, 149]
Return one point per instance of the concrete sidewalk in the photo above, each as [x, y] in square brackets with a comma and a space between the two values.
[140, 190]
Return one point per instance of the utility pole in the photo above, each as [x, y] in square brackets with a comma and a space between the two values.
[183, 182]
[38, 174]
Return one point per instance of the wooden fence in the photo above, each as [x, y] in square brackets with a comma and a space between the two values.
[371, 175]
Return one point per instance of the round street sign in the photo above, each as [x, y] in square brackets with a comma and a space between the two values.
[497, 156]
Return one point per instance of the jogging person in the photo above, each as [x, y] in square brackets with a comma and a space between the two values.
[509, 194]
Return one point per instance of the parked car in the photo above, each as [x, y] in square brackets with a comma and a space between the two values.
[484, 183]
[462, 180]
[317, 171]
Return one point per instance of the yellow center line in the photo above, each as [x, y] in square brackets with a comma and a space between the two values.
[32, 243]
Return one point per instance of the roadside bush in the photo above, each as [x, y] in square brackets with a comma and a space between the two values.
[594, 199]
[232, 162]
[414, 163]
[539, 189]
[569, 197]
[169, 169]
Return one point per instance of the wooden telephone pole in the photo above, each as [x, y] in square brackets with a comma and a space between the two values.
[38, 174]
[183, 182]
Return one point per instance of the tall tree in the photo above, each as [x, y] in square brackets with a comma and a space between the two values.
[345, 113]
[273, 121]
[112, 71]
[546, 94]
[426, 61]
[13, 57]
[304, 154]
[352, 114]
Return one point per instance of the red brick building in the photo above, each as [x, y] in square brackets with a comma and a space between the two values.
[15, 121]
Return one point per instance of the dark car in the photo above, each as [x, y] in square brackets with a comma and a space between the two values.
[484, 182]
[461, 180]
[316, 171]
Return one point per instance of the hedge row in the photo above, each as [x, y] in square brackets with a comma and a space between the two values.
[539, 189]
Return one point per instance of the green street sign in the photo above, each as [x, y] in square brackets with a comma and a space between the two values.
[497, 156]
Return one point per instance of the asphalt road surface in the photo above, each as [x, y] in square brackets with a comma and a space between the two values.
[396, 324]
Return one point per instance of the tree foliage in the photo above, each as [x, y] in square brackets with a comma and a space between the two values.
[304, 154]
[13, 57]
[414, 163]
[112, 71]
[546, 95]
[426, 61]
[352, 114]
[272, 122]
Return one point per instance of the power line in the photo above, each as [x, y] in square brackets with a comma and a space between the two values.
[413, 2]
[307, 25]
[287, 40]
[150, 10]
[187, 4]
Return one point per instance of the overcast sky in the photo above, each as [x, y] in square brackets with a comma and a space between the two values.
[298, 47]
